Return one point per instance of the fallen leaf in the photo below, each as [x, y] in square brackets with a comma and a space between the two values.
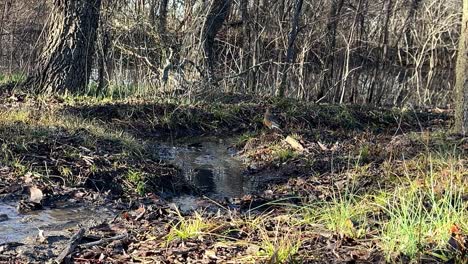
[28, 177]
[294, 143]
[36, 195]
[322, 146]
[41, 236]
[335, 146]
[211, 254]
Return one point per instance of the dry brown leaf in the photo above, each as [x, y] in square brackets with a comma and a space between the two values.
[294, 143]
[211, 254]
[28, 177]
[335, 146]
[36, 195]
[322, 146]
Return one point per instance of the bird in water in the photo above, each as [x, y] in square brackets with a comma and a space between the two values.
[270, 120]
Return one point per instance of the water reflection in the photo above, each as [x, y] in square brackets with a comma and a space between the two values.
[208, 164]
[17, 227]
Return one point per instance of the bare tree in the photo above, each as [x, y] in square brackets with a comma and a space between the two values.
[461, 82]
[380, 52]
[66, 60]
[217, 14]
[330, 46]
[290, 52]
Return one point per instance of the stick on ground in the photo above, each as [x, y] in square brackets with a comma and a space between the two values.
[74, 240]
[104, 240]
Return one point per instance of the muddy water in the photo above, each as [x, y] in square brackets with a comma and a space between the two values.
[208, 164]
[18, 227]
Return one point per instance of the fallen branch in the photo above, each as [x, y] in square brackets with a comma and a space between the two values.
[104, 240]
[74, 240]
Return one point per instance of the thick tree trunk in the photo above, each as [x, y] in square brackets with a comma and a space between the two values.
[290, 52]
[66, 60]
[461, 82]
[217, 14]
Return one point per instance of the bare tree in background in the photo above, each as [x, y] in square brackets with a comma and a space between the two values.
[66, 59]
[330, 46]
[217, 14]
[290, 51]
[461, 83]
[382, 52]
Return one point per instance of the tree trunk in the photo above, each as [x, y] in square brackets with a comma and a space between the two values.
[330, 46]
[461, 81]
[103, 60]
[162, 22]
[290, 52]
[66, 60]
[246, 44]
[215, 18]
[380, 64]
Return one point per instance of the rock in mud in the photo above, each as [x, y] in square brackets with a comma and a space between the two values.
[3, 217]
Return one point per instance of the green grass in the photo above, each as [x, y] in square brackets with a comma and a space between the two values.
[137, 181]
[283, 154]
[279, 246]
[414, 217]
[188, 227]
[12, 78]
[421, 212]
[70, 150]
[344, 214]
[244, 138]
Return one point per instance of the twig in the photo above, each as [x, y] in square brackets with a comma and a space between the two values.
[103, 240]
[141, 214]
[245, 71]
[74, 240]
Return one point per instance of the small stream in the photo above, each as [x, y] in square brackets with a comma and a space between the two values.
[209, 164]
[18, 227]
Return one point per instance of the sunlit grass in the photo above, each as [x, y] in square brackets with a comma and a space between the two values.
[188, 227]
[280, 245]
[44, 121]
[414, 214]
[12, 78]
[137, 182]
[282, 153]
[421, 212]
[344, 214]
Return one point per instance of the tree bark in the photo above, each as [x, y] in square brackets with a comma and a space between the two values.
[103, 59]
[215, 18]
[162, 22]
[461, 81]
[246, 43]
[66, 60]
[290, 52]
[330, 46]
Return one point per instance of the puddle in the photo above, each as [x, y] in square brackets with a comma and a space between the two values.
[18, 227]
[208, 164]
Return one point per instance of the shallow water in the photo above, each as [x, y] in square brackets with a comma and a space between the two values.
[208, 164]
[18, 227]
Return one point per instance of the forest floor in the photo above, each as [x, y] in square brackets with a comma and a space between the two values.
[358, 184]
